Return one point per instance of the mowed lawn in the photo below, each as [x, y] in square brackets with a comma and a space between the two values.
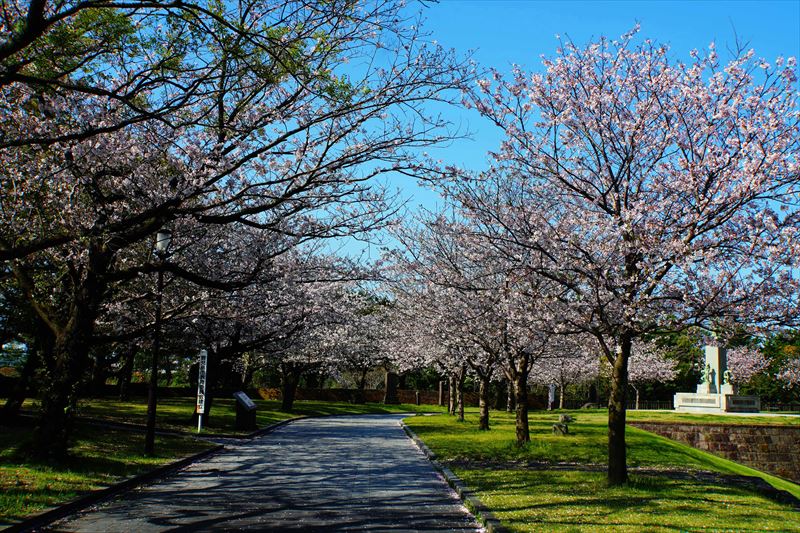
[99, 458]
[102, 456]
[556, 482]
[176, 413]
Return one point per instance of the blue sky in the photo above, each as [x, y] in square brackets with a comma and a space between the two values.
[502, 32]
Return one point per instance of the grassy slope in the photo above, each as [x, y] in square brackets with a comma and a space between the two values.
[577, 500]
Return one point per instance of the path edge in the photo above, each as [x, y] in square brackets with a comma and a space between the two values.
[80, 503]
[467, 495]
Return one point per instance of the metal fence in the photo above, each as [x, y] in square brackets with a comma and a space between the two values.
[668, 405]
[781, 407]
[643, 404]
[647, 405]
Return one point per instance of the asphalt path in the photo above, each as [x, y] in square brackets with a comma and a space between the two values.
[319, 474]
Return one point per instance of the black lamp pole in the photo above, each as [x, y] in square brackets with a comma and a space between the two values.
[162, 248]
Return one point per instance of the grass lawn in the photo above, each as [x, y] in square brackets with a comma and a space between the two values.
[571, 500]
[99, 458]
[176, 413]
[695, 418]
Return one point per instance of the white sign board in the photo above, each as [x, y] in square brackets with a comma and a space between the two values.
[201, 382]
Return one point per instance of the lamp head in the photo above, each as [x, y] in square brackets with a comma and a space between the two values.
[163, 240]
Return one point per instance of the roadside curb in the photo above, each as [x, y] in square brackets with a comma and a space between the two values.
[48, 517]
[268, 429]
[481, 512]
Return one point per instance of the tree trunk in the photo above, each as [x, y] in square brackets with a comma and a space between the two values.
[66, 369]
[166, 361]
[391, 397]
[460, 393]
[362, 384]
[60, 396]
[99, 373]
[520, 370]
[636, 390]
[483, 391]
[617, 461]
[451, 401]
[126, 373]
[290, 376]
[561, 397]
[592, 395]
[510, 400]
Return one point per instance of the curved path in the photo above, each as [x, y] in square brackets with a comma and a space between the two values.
[319, 474]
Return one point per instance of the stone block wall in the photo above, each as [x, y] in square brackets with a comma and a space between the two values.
[773, 449]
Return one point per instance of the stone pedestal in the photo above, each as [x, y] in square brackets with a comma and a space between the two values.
[707, 388]
[716, 403]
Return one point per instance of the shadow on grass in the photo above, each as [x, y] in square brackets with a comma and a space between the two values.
[544, 501]
[98, 457]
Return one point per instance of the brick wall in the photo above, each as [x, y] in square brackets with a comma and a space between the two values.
[773, 449]
[371, 395]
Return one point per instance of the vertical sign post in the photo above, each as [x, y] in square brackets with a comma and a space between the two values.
[201, 388]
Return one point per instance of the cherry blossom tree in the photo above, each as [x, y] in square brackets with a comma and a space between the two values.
[280, 136]
[658, 194]
[790, 373]
[486, 315]
[649, 363]
[744, 363]
[572, 360]
[355, 342]
[142, 58]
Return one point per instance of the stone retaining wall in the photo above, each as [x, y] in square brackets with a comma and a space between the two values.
[773, 449]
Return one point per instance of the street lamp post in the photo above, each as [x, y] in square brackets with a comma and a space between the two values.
[163, 239]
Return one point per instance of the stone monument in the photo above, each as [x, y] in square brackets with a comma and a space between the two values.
[716, 393]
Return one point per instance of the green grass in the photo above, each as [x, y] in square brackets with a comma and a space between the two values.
[695, 418]
[176, 413]
[99, 458]
[572, 500]
[580, 501]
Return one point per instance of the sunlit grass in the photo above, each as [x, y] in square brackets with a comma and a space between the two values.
[696, 418]
[176, 413]
[98, 458]
[529, 497]
[580, 501]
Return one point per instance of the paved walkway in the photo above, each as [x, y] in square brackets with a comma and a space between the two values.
[331, 474]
